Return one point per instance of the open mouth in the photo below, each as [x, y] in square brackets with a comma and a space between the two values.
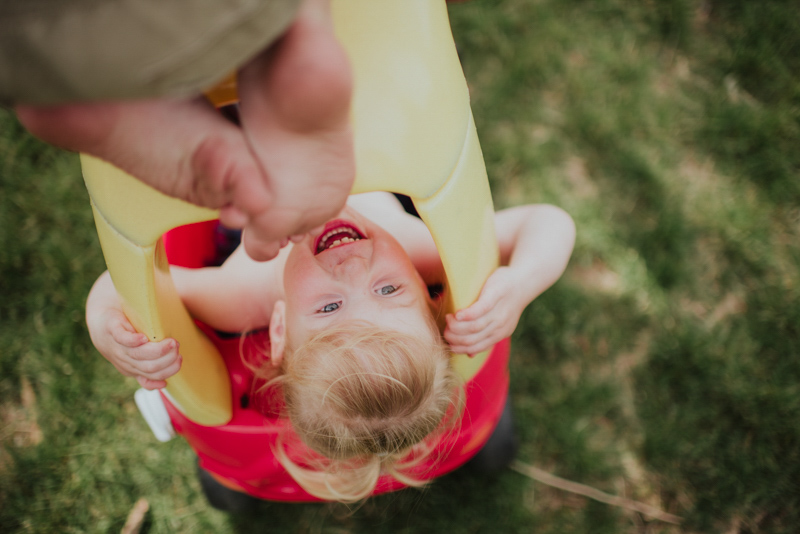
[337, 234]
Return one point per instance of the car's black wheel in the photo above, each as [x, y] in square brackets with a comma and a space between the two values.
[501, 448]
[226, 499]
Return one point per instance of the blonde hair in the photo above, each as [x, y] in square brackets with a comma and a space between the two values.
[367, 402]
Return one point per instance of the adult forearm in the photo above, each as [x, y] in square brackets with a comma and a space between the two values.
[57, 51]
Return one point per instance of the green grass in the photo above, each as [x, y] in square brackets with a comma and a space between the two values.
[663, 366]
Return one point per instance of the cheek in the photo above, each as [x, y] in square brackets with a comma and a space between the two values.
[298, 283]
[303, 283]
[298, 301]
[390, 252]
[298, 271]
[296, 331]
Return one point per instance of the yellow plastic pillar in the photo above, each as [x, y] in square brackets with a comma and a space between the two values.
[130, 218]
[414, 134]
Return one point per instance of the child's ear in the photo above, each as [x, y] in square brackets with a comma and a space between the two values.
[277, 333]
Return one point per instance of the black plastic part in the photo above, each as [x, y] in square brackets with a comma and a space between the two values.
[500, 450]
[226, 499]
[225, 242]
[231, 112]
[408, 204]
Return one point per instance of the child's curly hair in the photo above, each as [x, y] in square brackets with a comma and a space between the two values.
[369, 402]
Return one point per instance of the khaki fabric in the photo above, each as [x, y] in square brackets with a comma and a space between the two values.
[54, 51]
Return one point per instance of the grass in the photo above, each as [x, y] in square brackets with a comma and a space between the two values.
[663, 366]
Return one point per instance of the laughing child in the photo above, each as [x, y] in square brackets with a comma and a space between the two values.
[354, 342]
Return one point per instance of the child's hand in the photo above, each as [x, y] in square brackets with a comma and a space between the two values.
[492, 318]
[131, 352]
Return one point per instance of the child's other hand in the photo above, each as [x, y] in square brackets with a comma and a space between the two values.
[132, 353]
[492, 318]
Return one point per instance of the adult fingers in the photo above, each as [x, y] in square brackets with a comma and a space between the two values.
[294, 111]
[258, 247]
[232, 217]
[182, 147]
[268, 232]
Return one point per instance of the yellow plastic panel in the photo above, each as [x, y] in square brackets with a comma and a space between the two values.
[128, 264]
[460, 218]
[410, 101]
[139, 269]
[413, 134]
[202, 386]
[134, 208]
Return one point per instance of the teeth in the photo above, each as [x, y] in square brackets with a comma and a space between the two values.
[339, 231]
[323, 242]
[342, 241]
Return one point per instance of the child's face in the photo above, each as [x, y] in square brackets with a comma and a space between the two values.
[367, 276]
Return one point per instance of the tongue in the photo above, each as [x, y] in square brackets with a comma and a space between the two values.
[340, 236]
[332, 239]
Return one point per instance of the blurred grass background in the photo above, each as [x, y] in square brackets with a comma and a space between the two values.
[663, 367]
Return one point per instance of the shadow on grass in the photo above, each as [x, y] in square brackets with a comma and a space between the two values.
[459, 502]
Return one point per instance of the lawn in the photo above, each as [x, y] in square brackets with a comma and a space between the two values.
[664, 367]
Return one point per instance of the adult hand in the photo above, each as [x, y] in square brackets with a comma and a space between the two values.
[286, 170]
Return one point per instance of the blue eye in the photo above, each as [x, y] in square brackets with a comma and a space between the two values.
[387, 290]
[328, 308]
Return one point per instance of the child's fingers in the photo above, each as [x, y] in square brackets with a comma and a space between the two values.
[167, 346]
[465, 327]
[478, 309]
[154, 351]
[159, 369]
[125, 337]
[494, 291]
[168, 371]
[466, 340]
[146, 383]
[470, 341]
[473, 349]
[465, 333]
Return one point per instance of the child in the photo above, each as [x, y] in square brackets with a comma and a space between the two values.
[354, 342]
